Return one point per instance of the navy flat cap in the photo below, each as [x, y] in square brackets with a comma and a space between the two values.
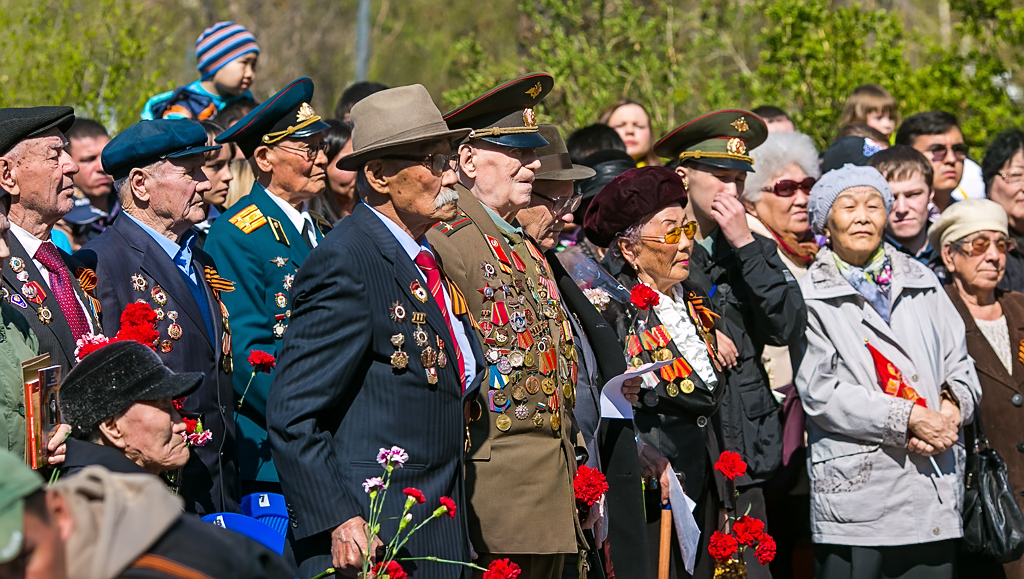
[287, 114]
[17, 124]
[147, 142]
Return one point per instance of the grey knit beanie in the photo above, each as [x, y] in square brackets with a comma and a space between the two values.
[831, 184]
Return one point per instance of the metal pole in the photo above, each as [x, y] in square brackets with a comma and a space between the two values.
[362, 39]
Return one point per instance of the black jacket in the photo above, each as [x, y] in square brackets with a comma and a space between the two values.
[627, 531]
[123, 252]
[80, 454]
[679, 427]
[761, 304]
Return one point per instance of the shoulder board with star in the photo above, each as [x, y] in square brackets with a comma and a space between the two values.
[456, 223]
[249, 219]
[322, 222]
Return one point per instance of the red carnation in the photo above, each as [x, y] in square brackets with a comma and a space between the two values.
[261, 361]
[179, 404]
[589, 484]
[765, 549]
[416, 494]
[190, 425]
[722, 546]
[89, 348]
[448, 504]
[748, 530]
[142, 334]
[643, 296]
[138, 314]
[502, 569]
[393, 571]
[731, 465]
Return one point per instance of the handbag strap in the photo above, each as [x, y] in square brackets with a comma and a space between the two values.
[980, 440]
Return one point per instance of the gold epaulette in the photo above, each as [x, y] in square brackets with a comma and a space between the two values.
[249, 219]
[449, 227]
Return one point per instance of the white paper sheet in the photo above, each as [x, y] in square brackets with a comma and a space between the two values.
[687, 530]
[613, 403]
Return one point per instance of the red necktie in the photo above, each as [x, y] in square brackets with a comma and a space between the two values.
[428, 265]
[60, 283]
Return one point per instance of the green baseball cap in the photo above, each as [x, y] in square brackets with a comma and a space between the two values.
[18, 481]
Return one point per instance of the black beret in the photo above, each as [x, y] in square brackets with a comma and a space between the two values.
[17, 124]
[628, 198]
[853, 149]
[106, 382]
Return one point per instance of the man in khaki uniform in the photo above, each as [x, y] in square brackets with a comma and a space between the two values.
[522, 456]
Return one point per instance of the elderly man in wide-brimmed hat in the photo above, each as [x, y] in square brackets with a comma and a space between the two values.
[379, 352]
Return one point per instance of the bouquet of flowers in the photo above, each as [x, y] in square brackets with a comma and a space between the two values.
[138, 322]
[727, 547]
[390, 567]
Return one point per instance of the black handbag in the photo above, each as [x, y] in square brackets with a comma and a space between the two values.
[993, 521]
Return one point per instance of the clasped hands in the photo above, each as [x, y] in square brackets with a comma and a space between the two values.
[933, 432]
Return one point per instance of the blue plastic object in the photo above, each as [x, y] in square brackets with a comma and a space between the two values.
[249, 527]
[267, 508]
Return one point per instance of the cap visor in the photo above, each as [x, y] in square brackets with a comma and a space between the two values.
[11, 534]
[82, 215]
[172, 386]
[355, 160]
[309, 130]
[724, 163]
[577, 173]
[520, 141]
[193, 151]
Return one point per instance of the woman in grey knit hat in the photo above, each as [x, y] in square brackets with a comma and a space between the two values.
[886, 382]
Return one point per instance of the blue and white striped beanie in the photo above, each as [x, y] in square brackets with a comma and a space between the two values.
[220, 44]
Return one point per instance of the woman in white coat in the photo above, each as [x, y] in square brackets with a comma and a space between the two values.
[885, 382]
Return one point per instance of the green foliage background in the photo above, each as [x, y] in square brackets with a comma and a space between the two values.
[679, 57]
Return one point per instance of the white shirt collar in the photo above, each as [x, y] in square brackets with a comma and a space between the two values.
[410, 245]
[296, 217]
[30, 242]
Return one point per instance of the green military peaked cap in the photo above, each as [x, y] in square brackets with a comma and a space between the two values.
[504, 115]
[18, 481]
[721, 138]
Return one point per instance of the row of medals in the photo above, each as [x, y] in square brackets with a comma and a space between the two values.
[429, 356]
[673, 388]
[28, 290]
[140, 284]
[517, 360]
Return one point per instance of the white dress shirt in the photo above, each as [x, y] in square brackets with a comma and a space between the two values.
[297, 218]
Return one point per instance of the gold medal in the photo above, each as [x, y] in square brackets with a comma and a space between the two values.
[45, 315]
[159, 314]
[538, 420]
[672, 390]
[17, 264]
[174, 331]
[419, 318]
[556, 420]
[418, 291]
[159, 296]
[428, 357]
[519, 393]
[420, 336]
[636, 362]
[281, 300]
[431, 375]
[686, 386]
[500, 399]
[399, 360]
[662, 354]
[548, 386]
[529, 359]
[567, 391]
[532, 385]
[504, 423]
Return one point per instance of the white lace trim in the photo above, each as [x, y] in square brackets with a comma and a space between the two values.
[674, 316]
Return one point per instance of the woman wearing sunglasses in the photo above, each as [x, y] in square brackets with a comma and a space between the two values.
[776, 194]
[885, 381]
[973, 237]
[639, 216]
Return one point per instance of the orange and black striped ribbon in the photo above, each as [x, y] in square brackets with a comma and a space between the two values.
[86, 279]
[217, 283]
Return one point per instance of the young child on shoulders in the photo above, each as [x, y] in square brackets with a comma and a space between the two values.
[226, 57]
[873, 106]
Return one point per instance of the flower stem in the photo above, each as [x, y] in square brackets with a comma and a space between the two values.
[246, 391]
[328, 571]
[439, 560]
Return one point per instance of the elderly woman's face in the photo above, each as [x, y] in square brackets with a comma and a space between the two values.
[1007, 189]
[977, 270]
[855, 224]
[663, 264]
[784, 214]
[151, 435]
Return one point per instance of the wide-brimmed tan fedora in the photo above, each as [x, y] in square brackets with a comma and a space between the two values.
[393, 119]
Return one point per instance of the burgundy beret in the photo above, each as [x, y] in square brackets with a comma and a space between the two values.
[628, 198]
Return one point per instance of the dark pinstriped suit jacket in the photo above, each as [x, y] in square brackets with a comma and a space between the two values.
[336, 399]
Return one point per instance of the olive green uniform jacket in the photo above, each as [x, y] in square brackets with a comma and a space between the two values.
[17, 344]
[521, 459]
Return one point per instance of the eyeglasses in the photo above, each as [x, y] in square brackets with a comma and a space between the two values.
[436, 162]
[672, 236]
[979, 245]
[939, 152]
[1012, 178]
[788, 188]
[562, 205]
[309, 152]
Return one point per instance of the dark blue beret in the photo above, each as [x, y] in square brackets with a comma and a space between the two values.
[287, 114]
[17, 124]
[147, 142]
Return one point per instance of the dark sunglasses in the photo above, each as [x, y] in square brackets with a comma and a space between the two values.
[979, 245]
[562, 205]
[672, 236]
[788, 188]
[939, 152]
[436, 162]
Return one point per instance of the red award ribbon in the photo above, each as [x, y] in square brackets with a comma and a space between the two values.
[499, 314]
[499, 253]
[661, 335]
[534, 252]
[891, 379]
[649, 341]
[548, 361]
[38, 296]
[518, 261]
[679, 368]
[525, 339]
[633, 347]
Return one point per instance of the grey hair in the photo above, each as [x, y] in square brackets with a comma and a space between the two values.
[779, 151]
[631, 235]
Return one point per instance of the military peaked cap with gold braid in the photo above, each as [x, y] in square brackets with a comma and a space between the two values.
[504, 115]
[721, 139]
[287, 114]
